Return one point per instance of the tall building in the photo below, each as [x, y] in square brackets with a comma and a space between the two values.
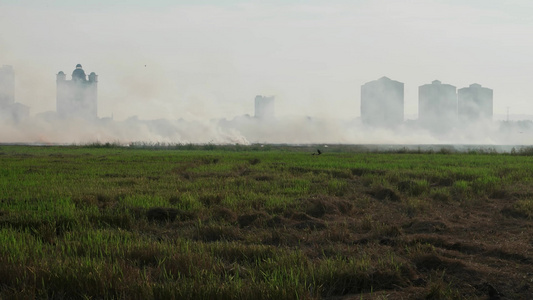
[9, 110]
[264, 107]
[475, 103]
[77, 97]
[437, 104]
[382, 102]
[7, 86]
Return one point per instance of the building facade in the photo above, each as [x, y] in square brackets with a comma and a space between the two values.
[7, 86]
[437, 105]
[264, 107]
[9, 110]
[382, 103]
[77, 97]
[475, 103]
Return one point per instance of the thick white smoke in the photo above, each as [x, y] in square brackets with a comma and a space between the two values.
[204, 61]
[48, 128]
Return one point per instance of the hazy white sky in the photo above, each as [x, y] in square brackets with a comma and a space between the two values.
[208, 59]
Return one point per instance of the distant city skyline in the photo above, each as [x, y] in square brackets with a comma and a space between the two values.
[205, 59]
[383, 122]
[382, 100]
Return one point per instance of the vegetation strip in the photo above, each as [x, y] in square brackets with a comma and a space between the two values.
[227, 222]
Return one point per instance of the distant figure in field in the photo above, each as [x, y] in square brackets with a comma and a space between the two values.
[318, 152]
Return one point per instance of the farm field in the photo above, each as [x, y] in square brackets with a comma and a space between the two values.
[251, 222]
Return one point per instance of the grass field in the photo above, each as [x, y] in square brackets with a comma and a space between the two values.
[210, 222]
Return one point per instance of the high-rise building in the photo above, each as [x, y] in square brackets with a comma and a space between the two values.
[382, 102]
[77, 97]
[475, 103]
[437, 104]
[9, 110]
[264, 107]
[7, 86]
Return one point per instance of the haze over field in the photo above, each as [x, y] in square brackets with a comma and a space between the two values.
[193, 62]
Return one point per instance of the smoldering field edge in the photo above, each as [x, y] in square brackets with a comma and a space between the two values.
[248, 130]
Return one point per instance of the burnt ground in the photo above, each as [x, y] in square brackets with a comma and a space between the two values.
[476, 248]
[482, 249]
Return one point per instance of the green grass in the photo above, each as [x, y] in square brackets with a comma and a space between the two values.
[207, 222]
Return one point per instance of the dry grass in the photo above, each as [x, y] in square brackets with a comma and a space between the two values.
[110, 223]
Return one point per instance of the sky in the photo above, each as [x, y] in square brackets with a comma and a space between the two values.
[209, 59]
